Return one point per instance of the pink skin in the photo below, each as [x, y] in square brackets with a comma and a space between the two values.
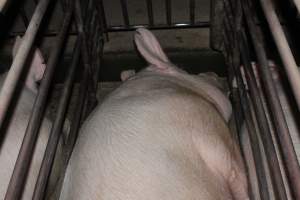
[163, 134]
[16, 127]
[37, 66]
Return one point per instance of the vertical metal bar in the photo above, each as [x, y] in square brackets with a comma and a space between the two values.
[286, 146]
[24, 16]
[285, 52]
[192, 12]
[46, 166]
[266, 136]
[10, 83]
[254, 141]
[150, 12]
[22, 165]
[125, 12]
[169, 12]
[104, 21]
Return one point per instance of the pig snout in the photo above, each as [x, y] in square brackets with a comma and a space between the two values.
[162, 134]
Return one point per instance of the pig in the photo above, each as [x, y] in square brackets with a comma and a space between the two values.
[15, 129]
[162, 134]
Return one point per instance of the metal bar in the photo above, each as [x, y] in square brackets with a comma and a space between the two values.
[284, 52]
[103, 18]
[266, 136]
[150, 12]
[254, 141]
[75, 122]
[204, 24]
[4, 5]
[286, 146]
[22, 165]
[169, 12]
[192, 11]
[125, 12]
[45, 170]
[14, 74]
[85, 50]
[24, 16]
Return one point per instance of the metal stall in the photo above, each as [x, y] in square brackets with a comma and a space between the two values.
[238, 29]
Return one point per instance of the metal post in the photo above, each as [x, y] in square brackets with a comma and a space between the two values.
[286, 146]
[14, 74]
[40, 186]
[284, 49]
[22, 165]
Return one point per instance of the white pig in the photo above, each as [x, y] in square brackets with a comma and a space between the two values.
[13, 133]
[162, 134]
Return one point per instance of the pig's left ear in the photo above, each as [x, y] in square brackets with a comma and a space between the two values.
[150, 48]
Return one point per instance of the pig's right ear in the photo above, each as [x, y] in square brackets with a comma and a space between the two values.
[37, 66]
[150, 48]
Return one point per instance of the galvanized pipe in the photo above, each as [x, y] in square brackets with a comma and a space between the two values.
[16, 69]
[286, 145]
[46, 166]
[283, 48]
[22, 165]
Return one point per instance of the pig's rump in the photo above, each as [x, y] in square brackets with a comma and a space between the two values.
[154, 143]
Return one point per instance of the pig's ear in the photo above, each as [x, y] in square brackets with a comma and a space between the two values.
[38, 65]
[150, 48]
[126, 74]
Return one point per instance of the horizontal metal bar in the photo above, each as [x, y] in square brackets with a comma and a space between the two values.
[204, 24]
[22, 165]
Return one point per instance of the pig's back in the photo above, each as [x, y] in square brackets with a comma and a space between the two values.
[12, 141]
[142, 143]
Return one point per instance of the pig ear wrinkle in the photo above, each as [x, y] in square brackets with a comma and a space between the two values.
[150, 48]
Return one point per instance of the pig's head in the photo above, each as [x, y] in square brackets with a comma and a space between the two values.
[37, 66]
[207, 84]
